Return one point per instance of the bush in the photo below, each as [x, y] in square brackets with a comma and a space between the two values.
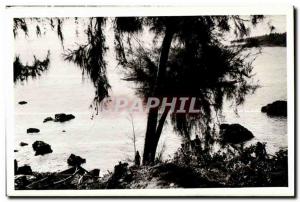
[244, 167]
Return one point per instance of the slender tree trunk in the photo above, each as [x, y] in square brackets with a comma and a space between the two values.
[162, 122]
[149, 147]
[151, 141]
[152, 135]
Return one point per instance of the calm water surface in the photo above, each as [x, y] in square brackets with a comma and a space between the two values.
[105, 140]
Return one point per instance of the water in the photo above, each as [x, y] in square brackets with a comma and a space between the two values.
[106, 140]
[270, 70]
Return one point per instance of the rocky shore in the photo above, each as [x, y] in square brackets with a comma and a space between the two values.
[249, 167]
[193, 165]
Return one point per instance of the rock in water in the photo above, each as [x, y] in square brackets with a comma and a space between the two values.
[41, 148]
[74, 160]
[24, 170]
[277, 108]
[22, 144]
[63, 117]
[95, 172]
[33, 130]
[234, 133]
[22, 102]
[48, 119]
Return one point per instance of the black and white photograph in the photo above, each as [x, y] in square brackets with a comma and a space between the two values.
[188, 99]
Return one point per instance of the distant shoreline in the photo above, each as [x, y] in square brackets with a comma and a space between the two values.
[268, 40]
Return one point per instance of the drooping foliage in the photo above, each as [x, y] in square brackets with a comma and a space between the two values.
[23, 72]
[199, 65]
[186, 59]
[19, 23]
[90, 58]
[41, 26]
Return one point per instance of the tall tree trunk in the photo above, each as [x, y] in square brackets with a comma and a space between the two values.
[151, 141]
[152, 137]
[150, 145]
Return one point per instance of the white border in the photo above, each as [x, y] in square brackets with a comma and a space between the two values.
[146, 11]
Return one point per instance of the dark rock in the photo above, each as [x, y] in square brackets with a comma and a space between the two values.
[33, 130]
[22, 102]
[63, 117]
[16, 150]
[63, 131]
[24, 170]
[48, 119]
[277, 108]
[264, 109]
[223, 126]
[15, 166]
[22, 144]
[120, 170]
[120, 177]
[234, 133]
[74, 160]
[41, 148]
[95, 172]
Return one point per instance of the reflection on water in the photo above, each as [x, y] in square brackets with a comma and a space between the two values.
[105, 140]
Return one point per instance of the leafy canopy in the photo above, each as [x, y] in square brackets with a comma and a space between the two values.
[198, 64]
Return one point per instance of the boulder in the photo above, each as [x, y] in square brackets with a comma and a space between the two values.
[95, 172]
[63, 117]
[15, 166]
[74, 160]
[22, 102]
[16, 150]
[277, 108]
[121, 176]
[41, 148]
[22, 144]
[33, 130]
[234, 133]
[48, 119]
[24, 170]
[121, 170]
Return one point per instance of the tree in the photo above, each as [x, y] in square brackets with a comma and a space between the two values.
[189, 61]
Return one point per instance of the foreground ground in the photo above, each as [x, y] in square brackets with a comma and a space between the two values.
[239, 167]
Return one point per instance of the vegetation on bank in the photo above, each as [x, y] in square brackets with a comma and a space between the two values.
[191, 61]
[272, 39]
[186, 58]
[189, 168]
